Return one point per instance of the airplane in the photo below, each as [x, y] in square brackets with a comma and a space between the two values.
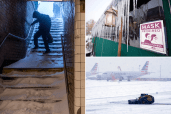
[93, 70]
[122, 75]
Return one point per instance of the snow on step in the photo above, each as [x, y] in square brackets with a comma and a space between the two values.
[57, 42]
[35, 74]
[34, 94]
[52, 50]
[54, 30]
[54, 39]
[32, 82]
[51, 54]
[30, 107]
[50, 46]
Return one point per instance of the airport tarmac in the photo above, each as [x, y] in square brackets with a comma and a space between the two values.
[112, 97]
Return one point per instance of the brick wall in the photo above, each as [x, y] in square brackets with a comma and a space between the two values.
[74, 20]
[68, 18]
[15, 18]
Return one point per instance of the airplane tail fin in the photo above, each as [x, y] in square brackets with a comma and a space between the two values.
[145, 67]
[119, 68]
[94, 69]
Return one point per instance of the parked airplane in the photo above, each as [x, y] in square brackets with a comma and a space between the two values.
[93, 70]
[121, 75]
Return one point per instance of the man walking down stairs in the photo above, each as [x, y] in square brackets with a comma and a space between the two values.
[36, 84]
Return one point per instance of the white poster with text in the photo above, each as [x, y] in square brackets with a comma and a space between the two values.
[152, 36]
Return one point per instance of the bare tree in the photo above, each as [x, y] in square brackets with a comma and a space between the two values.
[89, 26]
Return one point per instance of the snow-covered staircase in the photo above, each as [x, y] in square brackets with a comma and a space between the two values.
[36, 84]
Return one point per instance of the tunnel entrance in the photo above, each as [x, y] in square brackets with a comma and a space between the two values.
[53, 9]
[18, 38]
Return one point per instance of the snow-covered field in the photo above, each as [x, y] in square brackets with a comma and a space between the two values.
[104, 97]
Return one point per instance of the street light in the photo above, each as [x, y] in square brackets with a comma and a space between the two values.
[110, 17]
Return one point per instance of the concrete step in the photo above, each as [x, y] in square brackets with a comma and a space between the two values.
[32, 94]
[32, 82]
[51, 54]
[59, 32]
[54, 29]
[43, 50]
[31, 73]
[54, 39]
[31, 107]
[10, 71]
[50, 46]
[53, 25]
[41, 42]
[51, 31]
[54, 36]
[54, 22]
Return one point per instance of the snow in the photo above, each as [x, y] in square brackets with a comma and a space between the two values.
[112, 97]
[88, 37]
[34, 60]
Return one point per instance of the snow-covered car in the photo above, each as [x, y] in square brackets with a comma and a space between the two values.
[143, 99]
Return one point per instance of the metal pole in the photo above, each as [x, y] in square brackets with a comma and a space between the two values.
[120, 39]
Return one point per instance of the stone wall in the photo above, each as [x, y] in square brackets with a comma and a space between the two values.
[74, 38]
[68, 18]
[15, 18]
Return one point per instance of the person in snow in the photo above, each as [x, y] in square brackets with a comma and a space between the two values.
[44, 29]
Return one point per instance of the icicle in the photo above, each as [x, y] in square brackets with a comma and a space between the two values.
[116, 30]
[134, 6]
[107, 34]
[136, 3]
[122, 16]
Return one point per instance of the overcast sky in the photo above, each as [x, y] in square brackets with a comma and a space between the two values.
[131, 64]
[95, 8]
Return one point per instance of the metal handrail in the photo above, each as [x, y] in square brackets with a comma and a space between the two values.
[66, 78]
[15, 37]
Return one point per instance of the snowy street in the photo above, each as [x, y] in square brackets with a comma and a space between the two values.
[112, 97]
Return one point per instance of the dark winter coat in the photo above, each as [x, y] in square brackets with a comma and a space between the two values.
[44, 22]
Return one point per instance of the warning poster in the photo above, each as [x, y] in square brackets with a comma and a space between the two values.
[152, 36]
